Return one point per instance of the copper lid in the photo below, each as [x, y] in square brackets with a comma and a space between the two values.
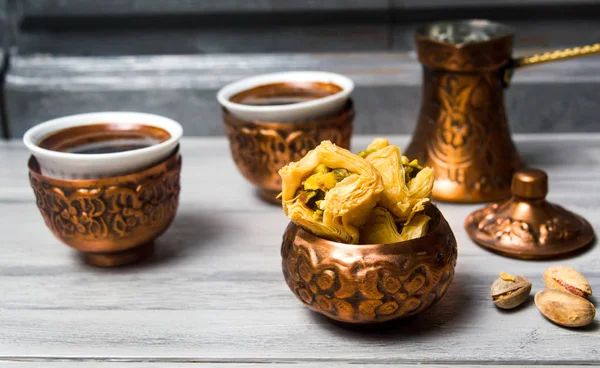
[526, 225]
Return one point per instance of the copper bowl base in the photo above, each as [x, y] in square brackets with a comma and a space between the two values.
[118, 259]
[372, 283]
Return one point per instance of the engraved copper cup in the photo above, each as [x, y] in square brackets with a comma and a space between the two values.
[370, 283]
[112, 220]
[462, 130]
[261, 148]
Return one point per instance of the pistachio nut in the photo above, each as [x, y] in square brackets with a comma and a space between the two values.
[567, 279]
[510, 291]
[564, 308]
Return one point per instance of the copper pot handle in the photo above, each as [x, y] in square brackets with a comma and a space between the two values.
[546, 57]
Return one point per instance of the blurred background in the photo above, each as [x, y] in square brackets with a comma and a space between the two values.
[171, 56]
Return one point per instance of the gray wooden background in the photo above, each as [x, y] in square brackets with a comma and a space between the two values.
[171, 56]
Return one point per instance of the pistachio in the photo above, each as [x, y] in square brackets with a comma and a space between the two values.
[510, 291]
[564, 308]
[567, 279]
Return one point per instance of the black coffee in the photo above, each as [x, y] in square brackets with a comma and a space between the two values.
[104, 138]
[285, 93]
[111, 147]
[279, 100]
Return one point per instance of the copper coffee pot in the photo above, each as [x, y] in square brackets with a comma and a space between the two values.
[462, 131]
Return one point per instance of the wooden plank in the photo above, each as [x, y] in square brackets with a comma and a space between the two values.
[6, 37]
[45, 8]
[214, 292]
[142, 27]
[184, 87]
[556, 97]
[172, 363]
[445, 4]
[324, 36]
[209, 155]
[205, 158]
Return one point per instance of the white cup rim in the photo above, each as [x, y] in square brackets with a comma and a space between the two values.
[37, 133]
[224, 94]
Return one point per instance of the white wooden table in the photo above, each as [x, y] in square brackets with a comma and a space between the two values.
[214, 293]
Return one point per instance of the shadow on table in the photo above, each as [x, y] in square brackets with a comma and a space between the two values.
[188, 234]
[455, 308]
[575, 254]
[579, 252]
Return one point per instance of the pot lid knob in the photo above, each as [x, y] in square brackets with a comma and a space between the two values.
[530, 184]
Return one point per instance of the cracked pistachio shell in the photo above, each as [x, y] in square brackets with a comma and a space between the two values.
[510, 292]
[564, 308]
[567, 279]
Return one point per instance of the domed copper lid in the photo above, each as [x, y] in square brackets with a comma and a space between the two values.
[526, 225]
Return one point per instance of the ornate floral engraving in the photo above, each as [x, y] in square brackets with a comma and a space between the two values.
[261, 149]
[462, 130]
[508, 230]
[559, 228]
[465, 125]
[113, 212]
[367, 289]
[516, 232]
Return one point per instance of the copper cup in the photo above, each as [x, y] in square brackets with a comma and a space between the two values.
[370, 283]
[261, 148]
[113, 220]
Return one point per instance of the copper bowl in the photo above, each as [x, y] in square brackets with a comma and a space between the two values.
[261, 148]
[112, 221]
[370, 283]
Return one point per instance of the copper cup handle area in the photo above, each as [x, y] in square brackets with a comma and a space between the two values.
[546, 57]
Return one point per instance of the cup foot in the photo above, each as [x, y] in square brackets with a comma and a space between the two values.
[269, 196]
[117, 259]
